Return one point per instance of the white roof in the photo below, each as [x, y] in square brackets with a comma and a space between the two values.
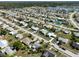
[36, 45]
[14, 32]
[44, 31]
[25, 24]
[76, 34]
[51, 34]
[15, 20]
[5, 26]
[10, 29]
[77, 42]
[3, 43]
[63, 39]
[66, 31]
[22, 22]
[35, 28]
[1, 22]
[20, 36]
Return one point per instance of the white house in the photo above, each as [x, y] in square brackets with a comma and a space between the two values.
[20, 36]
[51, 34]
[44, 31]
[5, 26]
[76, 34]
[10, 29]
[24, 24]
[13, 32]
[35, 28]
[1, 22]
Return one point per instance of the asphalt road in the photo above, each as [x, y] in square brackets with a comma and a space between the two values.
[72, 20]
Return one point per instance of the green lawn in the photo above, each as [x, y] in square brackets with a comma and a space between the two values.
[61, 34]
[58, 53]
[68, 47]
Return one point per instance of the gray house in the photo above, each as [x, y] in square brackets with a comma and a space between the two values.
[64, 40]
[75, 45]
[47, 54]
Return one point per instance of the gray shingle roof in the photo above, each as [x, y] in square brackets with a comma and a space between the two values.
[47, 54]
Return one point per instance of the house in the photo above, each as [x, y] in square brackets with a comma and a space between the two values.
[36, 45]
[26, 24]
[26, 41]
[8, 51]
[10, 29]
[63, 40]
[3, 43]
[4, 26]
[43, 31]
[22, 22]
[47, 54]
[76, 34]
[35, 28]
[57, 29]
[66, 31]
[48, 26]
[1, 23]
[51, 34]
[13, 32]
[15, 20]
[20, 36]
[75, 45]
[34, 21]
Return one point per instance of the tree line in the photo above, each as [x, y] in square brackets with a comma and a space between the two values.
[35, 3]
